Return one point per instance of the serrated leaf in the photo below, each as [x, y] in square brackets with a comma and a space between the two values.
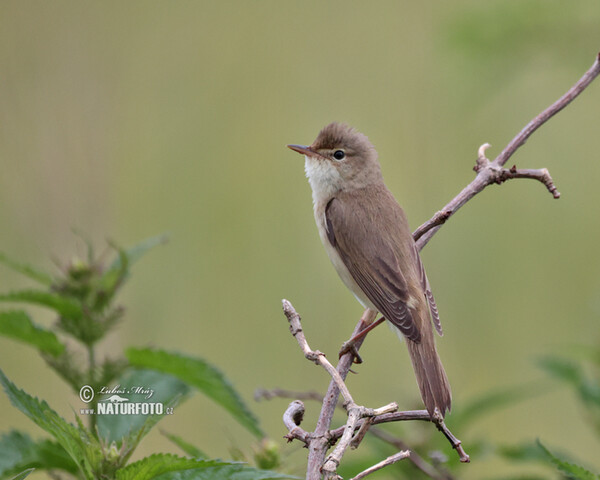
[23, 474]
[67, 435]
[570, 470]
[226, 472]
[27, 270]
[18, 452]
[187, 447]
[18, 325]
[166, 390]
[161, 463]
[201, 375]
[61, 305]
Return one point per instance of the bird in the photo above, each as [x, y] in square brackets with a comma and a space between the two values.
[366, 235]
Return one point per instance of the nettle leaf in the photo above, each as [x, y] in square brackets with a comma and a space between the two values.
[66, 434]
[23, 474]
[159, 464]
[133, 254]
[18, 325]
[201, 375]
[60, 304]
[187, 447]
[117, 273]
[27, 270]
[167, 390]
[226, 472]
[570, 470]
[18, 452]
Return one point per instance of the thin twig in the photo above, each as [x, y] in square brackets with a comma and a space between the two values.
[418, 461]
[414, 415]
[262, 394]
[313, 355]
[415, 458]
[384, 463]
[292, 418]
[321, 441]
[455, 442]
[356, 413]
[489, 172]
[587, 78]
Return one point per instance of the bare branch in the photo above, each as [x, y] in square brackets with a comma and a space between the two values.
[489, 172]
[455, 442]
[547, 114]
[292, 418]
[320, 444]
[356, 413]
[314, 355]
[413, 415]
[262, 394]
[415, 458]
[384, 463]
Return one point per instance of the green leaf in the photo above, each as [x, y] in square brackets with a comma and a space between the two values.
[201, 375]
[62, 305]
[226, 472]
[23, 474]
[524, 452]
[570, 470]
[28, 271]
[562, 369]
[166, 390]
[133, 254]
[75, 443]
[18, 452]
[158, 464]
[18, 325]
[573, 374]
[118, 271]
[187, 448]
[489, 402]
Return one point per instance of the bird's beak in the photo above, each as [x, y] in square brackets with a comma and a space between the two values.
[303, 149]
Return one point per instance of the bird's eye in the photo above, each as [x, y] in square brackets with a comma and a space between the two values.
[339, 155]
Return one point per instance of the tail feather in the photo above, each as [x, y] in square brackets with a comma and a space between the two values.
[431, 377]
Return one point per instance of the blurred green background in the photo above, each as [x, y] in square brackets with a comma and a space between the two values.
[128, 119]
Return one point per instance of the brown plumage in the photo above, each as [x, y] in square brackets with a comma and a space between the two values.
[367, 238]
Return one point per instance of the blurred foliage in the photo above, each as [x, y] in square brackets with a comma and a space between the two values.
[83, 297]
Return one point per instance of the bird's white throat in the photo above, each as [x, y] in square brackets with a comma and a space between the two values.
[324, 178]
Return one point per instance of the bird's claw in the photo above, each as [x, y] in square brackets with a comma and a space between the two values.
[350, 347]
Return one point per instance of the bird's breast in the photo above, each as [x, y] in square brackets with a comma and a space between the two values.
[336, 259]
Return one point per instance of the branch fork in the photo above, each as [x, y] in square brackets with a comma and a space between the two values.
[360, 418]
[499, 174]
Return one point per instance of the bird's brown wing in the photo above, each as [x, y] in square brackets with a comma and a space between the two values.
[373, 259]
[435, 315]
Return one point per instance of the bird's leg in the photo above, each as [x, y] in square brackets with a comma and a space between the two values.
[367, 324]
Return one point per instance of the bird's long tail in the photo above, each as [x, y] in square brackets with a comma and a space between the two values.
[431, 377]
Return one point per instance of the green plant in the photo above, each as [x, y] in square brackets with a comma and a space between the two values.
[83, 298]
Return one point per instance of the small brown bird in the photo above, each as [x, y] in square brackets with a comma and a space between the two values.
[367, 238]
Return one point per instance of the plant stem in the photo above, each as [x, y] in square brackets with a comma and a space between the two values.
[92, 383]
